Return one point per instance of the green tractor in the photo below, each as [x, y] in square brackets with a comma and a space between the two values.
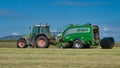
[83, 36]
[39, 37]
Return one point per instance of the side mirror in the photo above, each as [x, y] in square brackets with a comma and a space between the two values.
[30, 31]
[30, 28]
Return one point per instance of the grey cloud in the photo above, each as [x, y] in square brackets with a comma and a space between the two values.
[74, 3]
[5, 12]
[9, 13]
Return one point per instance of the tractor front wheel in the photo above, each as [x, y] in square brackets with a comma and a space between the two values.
[77, 44]
[42, 42]
[21, 43]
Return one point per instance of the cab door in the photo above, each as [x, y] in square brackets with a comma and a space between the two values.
[34, 33]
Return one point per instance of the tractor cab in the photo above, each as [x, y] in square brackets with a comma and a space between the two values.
[40, 29]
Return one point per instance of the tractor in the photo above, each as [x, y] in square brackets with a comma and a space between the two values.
[40, 37]
[74, 36]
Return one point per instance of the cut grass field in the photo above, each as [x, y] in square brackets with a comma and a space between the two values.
[59, 58]
[12, 57]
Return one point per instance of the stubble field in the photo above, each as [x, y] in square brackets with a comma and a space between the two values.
[12, 57]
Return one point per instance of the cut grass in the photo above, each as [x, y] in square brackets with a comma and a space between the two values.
[7, 44]
[59, 58]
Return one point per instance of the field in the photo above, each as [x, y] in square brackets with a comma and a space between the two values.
[12, 57]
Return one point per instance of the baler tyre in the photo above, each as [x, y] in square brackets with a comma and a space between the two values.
[21, 43]
[106, 43]
[42, 42]
[78, 44]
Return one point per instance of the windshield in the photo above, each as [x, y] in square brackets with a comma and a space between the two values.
[36, 30]
[45, 30]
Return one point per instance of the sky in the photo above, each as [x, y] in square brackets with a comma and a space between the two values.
[16, 16]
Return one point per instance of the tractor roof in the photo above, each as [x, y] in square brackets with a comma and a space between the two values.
[41, 25]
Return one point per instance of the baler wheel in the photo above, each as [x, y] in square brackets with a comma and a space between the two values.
[78, 44]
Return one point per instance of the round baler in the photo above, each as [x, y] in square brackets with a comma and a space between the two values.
[84, 36]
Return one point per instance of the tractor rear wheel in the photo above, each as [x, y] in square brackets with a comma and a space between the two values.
[77, 44]
[107, 43]
[21, 43]
[42, 42]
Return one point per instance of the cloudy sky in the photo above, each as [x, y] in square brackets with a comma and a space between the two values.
[16, 16]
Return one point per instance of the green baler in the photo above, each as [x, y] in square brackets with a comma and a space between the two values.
[83, 36]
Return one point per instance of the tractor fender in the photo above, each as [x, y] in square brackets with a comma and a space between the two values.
[42, 35]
